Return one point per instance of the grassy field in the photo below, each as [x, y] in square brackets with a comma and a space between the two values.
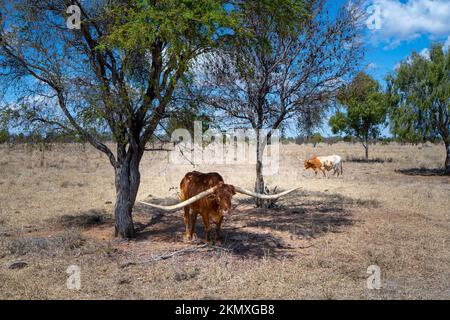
[56, 210]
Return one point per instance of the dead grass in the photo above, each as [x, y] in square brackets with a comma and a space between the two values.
[392, 211]
[69, 239]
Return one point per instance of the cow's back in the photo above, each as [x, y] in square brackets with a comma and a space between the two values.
[195, 182]
[330, 160]
[337, 159]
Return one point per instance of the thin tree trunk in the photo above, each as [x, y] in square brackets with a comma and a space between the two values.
[366, 147]
[259, 183]
[447, 159]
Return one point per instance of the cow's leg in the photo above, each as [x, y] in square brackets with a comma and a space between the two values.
[193, 225]
[218, 228]
[207, 227]
[187, 223]
[323, 171]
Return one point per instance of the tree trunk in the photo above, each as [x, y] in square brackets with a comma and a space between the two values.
[127, 186]
[135, 177]
[447, 159]
[259, 183]
[366, 147]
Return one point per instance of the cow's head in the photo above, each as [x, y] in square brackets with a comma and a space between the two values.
[222, 195]
[307, 164]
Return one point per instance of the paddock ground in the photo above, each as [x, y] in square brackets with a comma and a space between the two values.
[56, 210]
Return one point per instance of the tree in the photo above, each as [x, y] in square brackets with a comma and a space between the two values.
[297, 57]
[419, 95]
[316, 138]
[185, 118]
[118, 70]
[311, 120]
[365, 114]
[4, 132]
[4, 135]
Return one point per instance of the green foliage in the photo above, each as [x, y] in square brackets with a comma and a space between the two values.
[316, 138]
[263, 25]
[4, 135]
[185, 118]
[419, 97]
[348, 138]
[4, 123]
[184, 24]
[284, 18]
[366, 108]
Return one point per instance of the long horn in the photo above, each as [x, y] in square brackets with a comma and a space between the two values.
[264, 196]
[184, 203]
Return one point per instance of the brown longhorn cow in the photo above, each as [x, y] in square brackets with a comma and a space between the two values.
[207, 194]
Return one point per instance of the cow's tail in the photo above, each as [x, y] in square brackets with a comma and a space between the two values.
[342, 171]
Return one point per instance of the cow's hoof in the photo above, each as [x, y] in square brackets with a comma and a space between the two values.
[192, 241]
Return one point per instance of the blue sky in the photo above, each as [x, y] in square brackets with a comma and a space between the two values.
[403, 26]
[397, 28]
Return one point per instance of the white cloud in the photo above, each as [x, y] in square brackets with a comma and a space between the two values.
[404, 21]
[371, 66]
[447, 43]
[425, 53]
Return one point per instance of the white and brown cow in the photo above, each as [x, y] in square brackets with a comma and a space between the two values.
[324, 164]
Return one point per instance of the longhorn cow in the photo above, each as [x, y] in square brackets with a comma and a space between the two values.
[207, 194]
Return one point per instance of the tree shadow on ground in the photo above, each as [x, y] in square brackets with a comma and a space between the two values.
[84, 220]
[425, 172]
[370, 160]
[256, 232]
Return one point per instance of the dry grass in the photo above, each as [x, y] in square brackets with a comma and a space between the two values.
[393, 211]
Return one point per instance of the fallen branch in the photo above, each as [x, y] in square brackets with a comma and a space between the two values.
[173, 254]
[184, 251]
[179, 252]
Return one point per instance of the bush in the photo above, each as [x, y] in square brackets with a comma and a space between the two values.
[4, 136]
[316, 138]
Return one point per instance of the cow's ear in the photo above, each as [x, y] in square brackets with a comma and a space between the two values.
[233, 190]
